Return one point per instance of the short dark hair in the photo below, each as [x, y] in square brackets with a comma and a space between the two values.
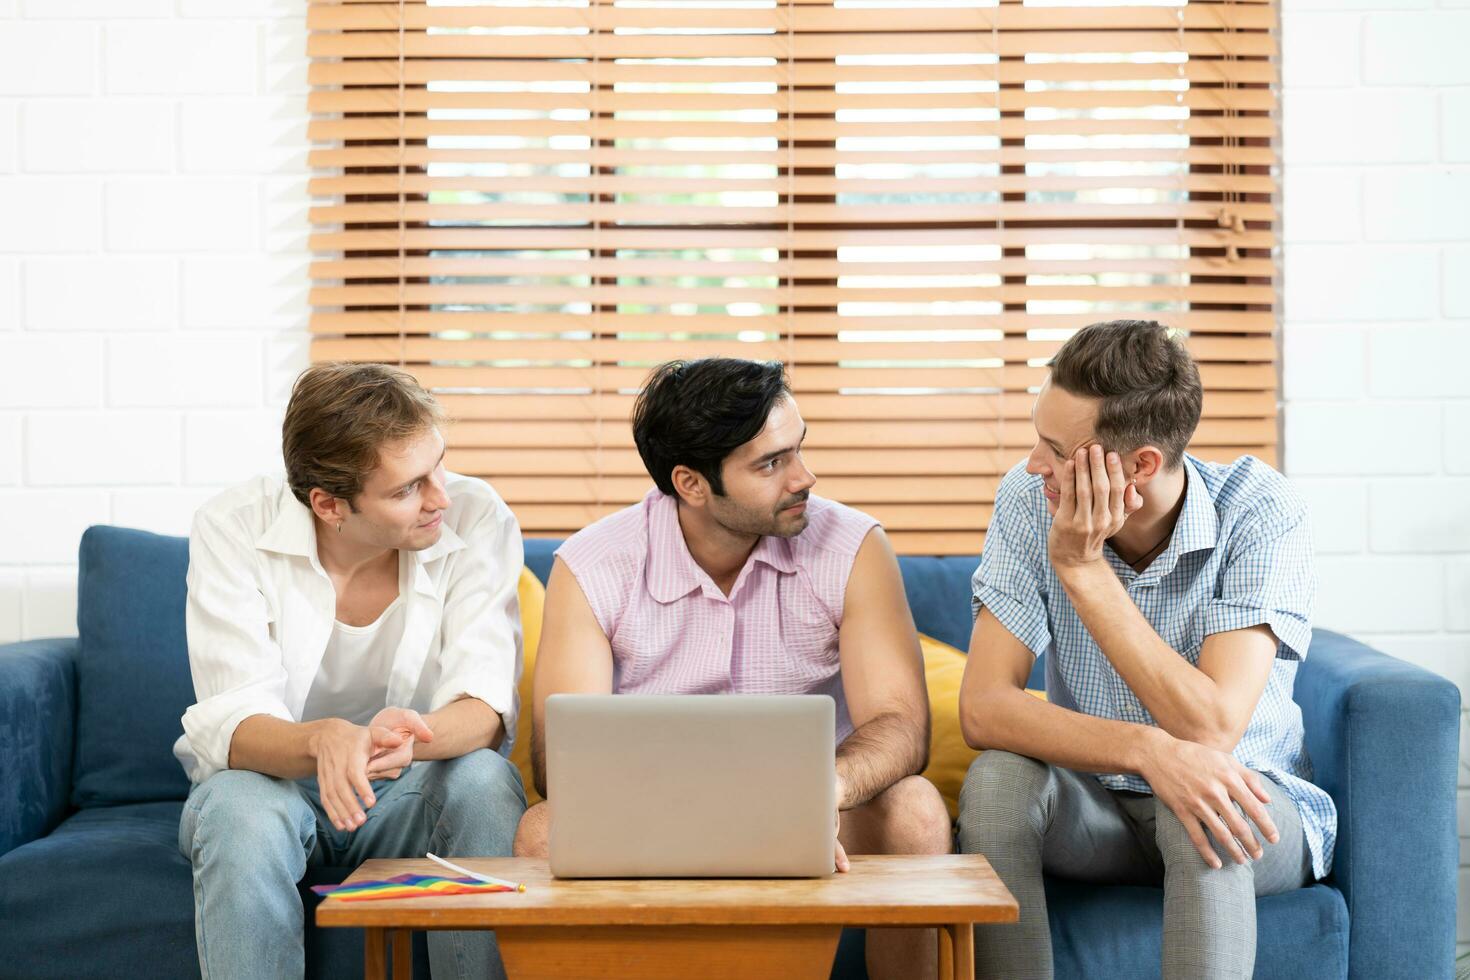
[340, 415]
[1145, 380]
[696, 413]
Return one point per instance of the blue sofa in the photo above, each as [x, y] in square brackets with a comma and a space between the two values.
[92, 883]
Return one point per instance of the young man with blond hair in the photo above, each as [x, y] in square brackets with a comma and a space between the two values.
[1173, 600]
[731, 577]
[354, 639]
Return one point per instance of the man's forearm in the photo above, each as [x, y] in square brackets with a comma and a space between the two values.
[877, 755]
[269, 745]
[460, 728]
[1182, 699]
[1011, 720]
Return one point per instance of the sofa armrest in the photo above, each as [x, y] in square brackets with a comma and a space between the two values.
[1384, 740]
[38, 700]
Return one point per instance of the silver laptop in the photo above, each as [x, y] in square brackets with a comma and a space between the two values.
[690, 786]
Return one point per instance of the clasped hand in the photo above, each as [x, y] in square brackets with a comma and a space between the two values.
[349, 757]
[1097, 499]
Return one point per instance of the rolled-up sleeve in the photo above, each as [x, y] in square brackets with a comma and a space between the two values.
[480, 651]
[1269, 578]
[238, 669]
[1009, 580]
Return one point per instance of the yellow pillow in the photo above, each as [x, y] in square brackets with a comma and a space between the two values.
[533, 598]
[949, 756]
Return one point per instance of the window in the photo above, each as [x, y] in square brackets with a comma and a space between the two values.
[529, 205]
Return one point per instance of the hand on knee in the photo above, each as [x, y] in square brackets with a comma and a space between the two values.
[1194, 847]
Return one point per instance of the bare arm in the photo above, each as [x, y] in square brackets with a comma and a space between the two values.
[287, 749]
[997, 713]
[1211, 704]
[882, 679]
[335, 751]
[1197, 782]
[460, 727]
[574, 657]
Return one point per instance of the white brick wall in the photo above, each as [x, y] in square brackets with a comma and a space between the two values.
[97, 136]
[152, 270]
[1376, 333]
[153, 292]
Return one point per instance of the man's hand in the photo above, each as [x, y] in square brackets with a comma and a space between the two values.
[389, 763]
[1096, 501]
[342, 751]
[1203, 786]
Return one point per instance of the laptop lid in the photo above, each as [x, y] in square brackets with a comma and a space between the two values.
[672, 786]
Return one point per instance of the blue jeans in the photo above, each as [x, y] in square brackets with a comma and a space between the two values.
[250, 838]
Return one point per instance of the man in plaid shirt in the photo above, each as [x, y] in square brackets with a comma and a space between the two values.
[1173, 599]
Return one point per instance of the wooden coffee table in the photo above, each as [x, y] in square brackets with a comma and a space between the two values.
[674, 929]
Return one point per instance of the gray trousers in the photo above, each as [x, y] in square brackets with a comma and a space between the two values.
[1030, 818]
[250, 838]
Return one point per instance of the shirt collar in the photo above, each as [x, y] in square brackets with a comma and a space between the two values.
[448, 543]
[1197, 528]
[293, 532]
[776, 552]
[672, 571]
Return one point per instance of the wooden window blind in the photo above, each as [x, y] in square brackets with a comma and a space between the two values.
[528, 205]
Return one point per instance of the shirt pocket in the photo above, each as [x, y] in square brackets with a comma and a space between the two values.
[806, 650]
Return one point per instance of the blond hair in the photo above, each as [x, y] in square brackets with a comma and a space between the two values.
[340, 416]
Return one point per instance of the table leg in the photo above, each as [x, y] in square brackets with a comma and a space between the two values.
[946, 953]
[375, 954]
[402, 954]
[962, 935]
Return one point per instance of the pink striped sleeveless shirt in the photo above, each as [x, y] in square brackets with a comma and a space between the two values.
[673, 631]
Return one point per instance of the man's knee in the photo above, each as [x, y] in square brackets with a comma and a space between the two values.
[244, 816]
[911, 818]
[1177, 848]
[1004, 795]
[533, 834]
[996, 775]
[483, 785]
[480, 775]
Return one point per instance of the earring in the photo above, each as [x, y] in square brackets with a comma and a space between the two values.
[339, 527]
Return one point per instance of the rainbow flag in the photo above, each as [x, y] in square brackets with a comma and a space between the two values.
[407, 886]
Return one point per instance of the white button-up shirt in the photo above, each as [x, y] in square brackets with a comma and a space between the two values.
[260, 610]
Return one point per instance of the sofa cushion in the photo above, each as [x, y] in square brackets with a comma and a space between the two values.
[1117, 932]
[133, 681]
[938, 591]
[108, 894]
[539, 552]
[532, 595]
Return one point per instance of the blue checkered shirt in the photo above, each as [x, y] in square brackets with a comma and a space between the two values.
[1240, 556]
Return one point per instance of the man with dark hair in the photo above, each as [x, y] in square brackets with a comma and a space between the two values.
[1173, 600]
[354, 639]
[731, 577]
